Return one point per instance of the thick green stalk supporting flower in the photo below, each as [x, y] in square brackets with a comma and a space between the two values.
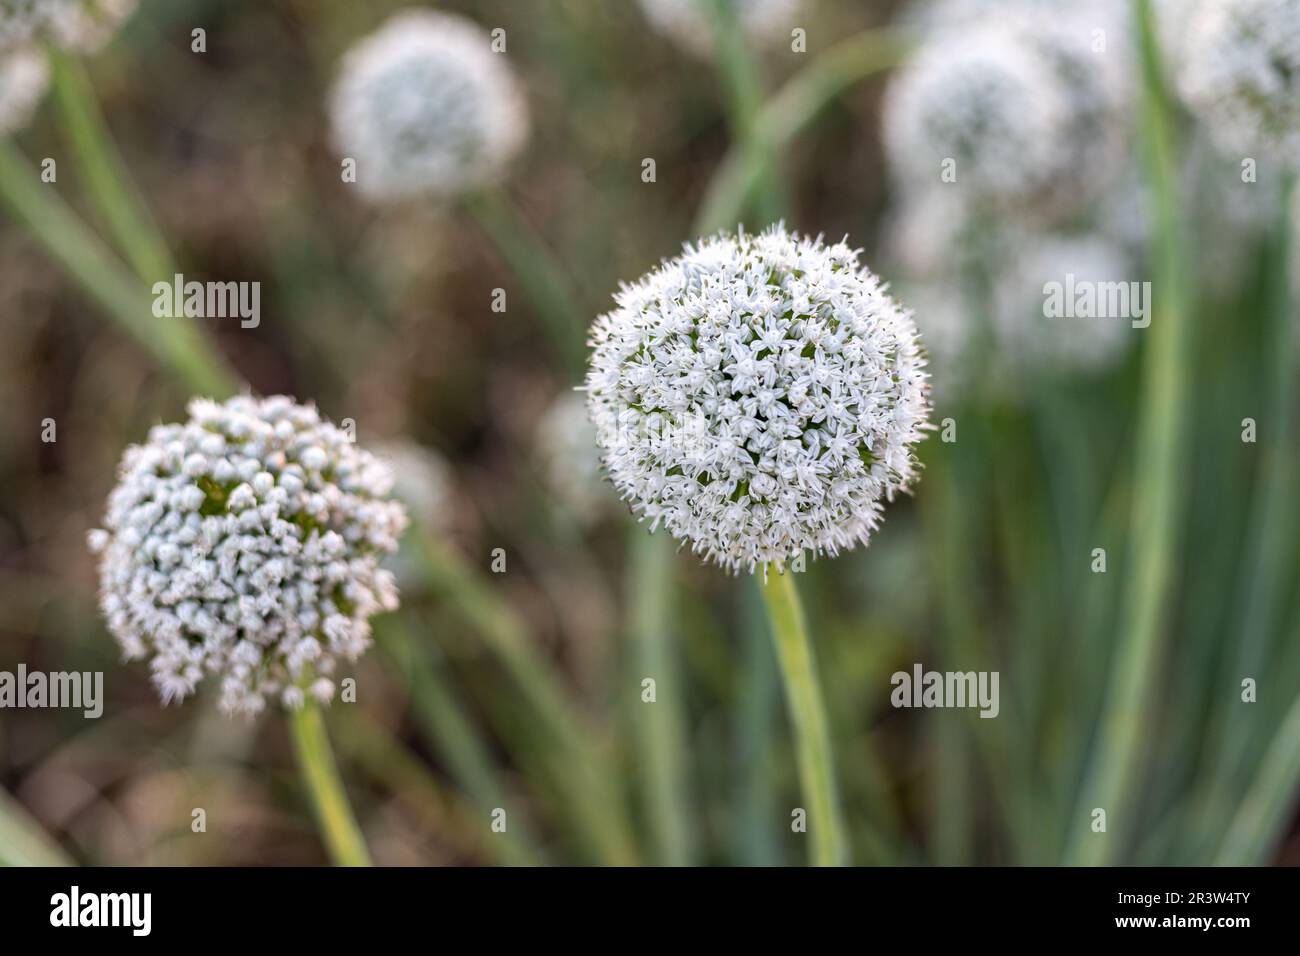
[807, 719]
[1159, 495]
[754, 841]
[333, 812]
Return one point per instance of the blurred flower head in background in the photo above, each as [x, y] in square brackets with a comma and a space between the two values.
[425, 106]
[245, 544]
[1030, 107]
[1019, 341]
[24, 76]
[982, 102]
[760, 396]
[80, 25]
[422, 480]
[1070, 344]
[1009, 138]
[570, 461]
[1240, 73]
[688, 23]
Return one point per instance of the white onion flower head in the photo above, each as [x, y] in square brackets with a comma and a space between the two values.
[425, 106]
[1241, 75]
[82, 26]
[569, 459]
[24, 76]
[982, 104]
[688, 22]
[244, 544]
[759, 396]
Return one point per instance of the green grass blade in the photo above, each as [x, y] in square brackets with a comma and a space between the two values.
[22, 841]
[1159, 495]
[174, 343]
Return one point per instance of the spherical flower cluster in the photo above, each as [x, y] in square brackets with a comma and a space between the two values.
[1024, 110]
[24, 75]
[570, 463]
[688, 24]
[981, 107]
[759, 396]
[245, 544]
[424, 106]
[80, 25]
[1241, 75]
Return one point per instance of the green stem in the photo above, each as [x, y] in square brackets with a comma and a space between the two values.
[454, 738]
[744, 86]
[333, 812]
[808, 719]
[955, 491]
[101, 166]
[534, 265]
[372, 748]
[590, 794]
[661, 736]
[1159, 490]
[173, 342]
[1272, 536]
[754, 842]
[22, 841]
[785, 115]
[1268, 805]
